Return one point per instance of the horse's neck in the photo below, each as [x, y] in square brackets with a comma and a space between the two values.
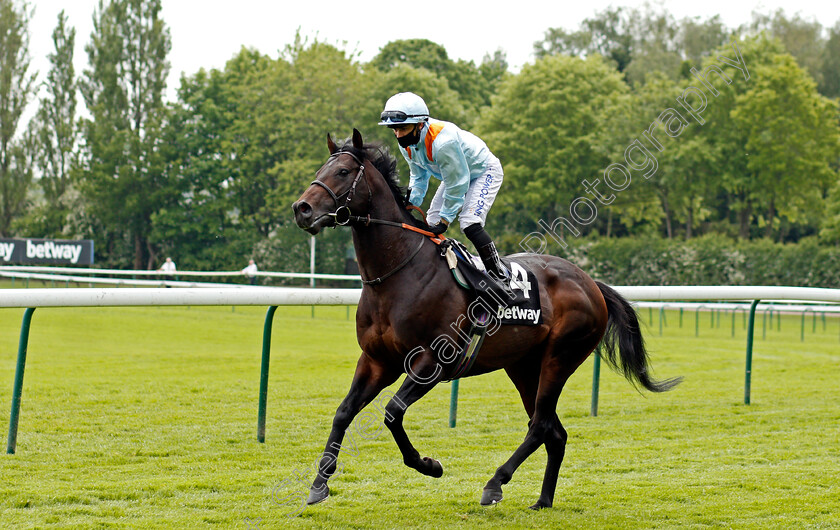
[381, 248]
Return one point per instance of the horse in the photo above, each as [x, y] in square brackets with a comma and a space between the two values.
[409, 302]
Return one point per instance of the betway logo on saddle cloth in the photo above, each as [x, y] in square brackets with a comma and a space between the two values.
[519, 314]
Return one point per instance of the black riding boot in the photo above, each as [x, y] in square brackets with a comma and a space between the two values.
[492, 262]
[486, 250]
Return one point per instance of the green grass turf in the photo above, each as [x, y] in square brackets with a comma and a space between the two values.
[146, 418]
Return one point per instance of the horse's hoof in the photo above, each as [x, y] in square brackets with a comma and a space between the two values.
[491, 497]
[318, 495]
[540, 505]
[433, 467]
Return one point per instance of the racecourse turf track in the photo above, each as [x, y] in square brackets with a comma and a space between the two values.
[146, 418]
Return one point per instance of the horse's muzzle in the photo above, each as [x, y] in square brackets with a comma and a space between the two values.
[305, 217]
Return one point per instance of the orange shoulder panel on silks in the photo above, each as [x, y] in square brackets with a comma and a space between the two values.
[434, 130]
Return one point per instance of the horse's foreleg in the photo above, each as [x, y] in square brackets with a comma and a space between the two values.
[370, 378]
[422, 377]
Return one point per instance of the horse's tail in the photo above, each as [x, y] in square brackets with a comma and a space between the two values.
[623, 327]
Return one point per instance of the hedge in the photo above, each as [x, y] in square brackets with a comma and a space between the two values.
[707, 260]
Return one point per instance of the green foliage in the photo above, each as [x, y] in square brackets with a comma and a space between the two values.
[123, 89]
[473, 86]
[57, 116]
[544, 125]
[801, 38]
[638, 42]
[17, 88]
[830, 232]
[242, 145]
[782, 108]
[608, 34]
[706, 260]
[830, 68]
[57, 135]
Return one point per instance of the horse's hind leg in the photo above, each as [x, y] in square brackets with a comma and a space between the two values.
[525, 377]
[555, 446]
[370, 378]
[541, 430]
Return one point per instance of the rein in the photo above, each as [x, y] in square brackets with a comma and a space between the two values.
[343, 217]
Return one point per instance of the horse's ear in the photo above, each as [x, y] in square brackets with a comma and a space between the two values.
[331, 145]
[357, 139]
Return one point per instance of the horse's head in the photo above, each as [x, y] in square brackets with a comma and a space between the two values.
[333, 192]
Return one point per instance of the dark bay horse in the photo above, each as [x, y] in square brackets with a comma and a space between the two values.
[410, 306]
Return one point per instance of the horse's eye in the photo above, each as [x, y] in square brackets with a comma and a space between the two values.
[343, 172]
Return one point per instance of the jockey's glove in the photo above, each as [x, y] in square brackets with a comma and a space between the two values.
[439, 228]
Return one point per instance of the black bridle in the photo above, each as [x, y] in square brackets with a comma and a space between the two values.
[342, 211]
[343, 216]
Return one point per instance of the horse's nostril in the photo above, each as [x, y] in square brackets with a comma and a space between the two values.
[303, 208]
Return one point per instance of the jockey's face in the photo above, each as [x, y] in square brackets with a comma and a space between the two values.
[402, 130]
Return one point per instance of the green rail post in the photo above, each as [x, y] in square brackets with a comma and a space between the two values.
[748, 370]
[734, 312]
[596, 377]
[453, 404]
[697, 320]
[266, 355]
[802, 329]
[18, 387]
[661, 318]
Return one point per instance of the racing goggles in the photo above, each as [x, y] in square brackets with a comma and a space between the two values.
[398, 116]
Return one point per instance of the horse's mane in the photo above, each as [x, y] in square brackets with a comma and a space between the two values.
[386, 164]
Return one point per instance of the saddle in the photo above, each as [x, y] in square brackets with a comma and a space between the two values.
[491, 304]
[516, 302]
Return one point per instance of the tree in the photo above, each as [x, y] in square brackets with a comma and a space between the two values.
[242, 143]
[830, 67]
[738, 190]
[699, 39]
[677, 190]
[57, 115]
[17, 88]
[57, 134]
[656, 46]
[474, 85]
[545, 126]
[607, 34]
[199, 224]
[830, 230]
[792, 138]
[638, 41]
[123, 90]
[801, 38]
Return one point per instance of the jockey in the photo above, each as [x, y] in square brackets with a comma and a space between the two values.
[471, 176]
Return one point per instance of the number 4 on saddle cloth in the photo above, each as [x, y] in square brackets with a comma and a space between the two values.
[515, 302]
[492, 304]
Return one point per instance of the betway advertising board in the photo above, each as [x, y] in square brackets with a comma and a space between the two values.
[46, 251]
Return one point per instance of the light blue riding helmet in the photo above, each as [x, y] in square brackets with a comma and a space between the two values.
[405, 107]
